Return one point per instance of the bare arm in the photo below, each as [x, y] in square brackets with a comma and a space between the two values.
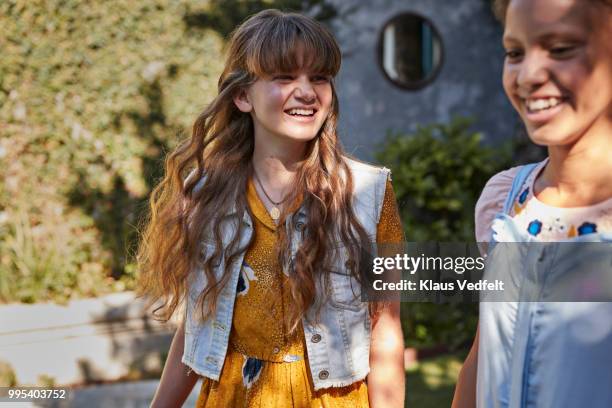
[465, 391]
[176, 381]
[386, 381]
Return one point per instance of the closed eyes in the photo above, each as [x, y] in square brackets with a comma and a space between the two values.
[289, 78]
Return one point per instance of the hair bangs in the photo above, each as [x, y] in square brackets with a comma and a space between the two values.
[298, 44]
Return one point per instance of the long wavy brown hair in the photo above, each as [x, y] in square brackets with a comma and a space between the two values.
[190, 204]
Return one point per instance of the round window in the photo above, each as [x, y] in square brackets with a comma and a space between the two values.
[410, 51]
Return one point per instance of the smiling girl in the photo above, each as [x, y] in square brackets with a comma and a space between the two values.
[257, 227]
[558, 76]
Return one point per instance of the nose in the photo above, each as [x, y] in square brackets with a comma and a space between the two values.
[304, 90]
[533, 72]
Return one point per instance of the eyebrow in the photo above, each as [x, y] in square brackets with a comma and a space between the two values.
[508, 38]
[546, 37]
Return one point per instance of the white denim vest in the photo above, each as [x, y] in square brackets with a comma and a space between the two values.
[338, 345]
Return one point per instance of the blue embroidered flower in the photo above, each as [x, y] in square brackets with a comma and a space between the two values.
[246, 275]
[587, 228]
[534, 227]
[250, 371]
[241, 284]
[523, 196]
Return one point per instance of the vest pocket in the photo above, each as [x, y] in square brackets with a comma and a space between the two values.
[346, 291]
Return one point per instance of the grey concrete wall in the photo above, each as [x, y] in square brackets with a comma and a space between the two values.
[86, 340]
[469, 82]
[120, 395]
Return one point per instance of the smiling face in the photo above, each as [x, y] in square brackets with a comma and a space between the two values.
[288, 105]
[558, 68]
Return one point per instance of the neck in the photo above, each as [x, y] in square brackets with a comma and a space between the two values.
[276, 164]
[579, 174]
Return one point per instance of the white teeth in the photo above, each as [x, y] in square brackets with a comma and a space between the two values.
[541, 104]
[302, 112]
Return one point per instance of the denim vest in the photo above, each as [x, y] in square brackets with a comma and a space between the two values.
[338, 344]
[534, 351]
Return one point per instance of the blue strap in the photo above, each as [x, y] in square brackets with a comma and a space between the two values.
[517, 183]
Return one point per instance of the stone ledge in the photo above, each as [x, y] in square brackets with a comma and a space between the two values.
[101, 339]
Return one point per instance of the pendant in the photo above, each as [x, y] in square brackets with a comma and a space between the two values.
[274, 213]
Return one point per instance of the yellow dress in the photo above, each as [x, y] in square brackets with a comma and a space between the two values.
[265, 366]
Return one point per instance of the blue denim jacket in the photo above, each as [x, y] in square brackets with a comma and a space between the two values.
[338, 346]
[537, 353]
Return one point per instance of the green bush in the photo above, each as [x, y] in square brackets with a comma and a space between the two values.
[7, 375]
[92, 94]
[438, 173]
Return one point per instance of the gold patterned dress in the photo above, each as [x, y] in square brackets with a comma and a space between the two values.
[265, 365]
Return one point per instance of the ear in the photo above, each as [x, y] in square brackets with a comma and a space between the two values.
[242, 102]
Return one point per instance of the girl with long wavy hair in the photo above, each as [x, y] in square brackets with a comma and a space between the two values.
[257, 228]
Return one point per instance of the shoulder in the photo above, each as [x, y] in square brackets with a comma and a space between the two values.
[367, 176]
[369, 185]
[491, 201]
[359, 168]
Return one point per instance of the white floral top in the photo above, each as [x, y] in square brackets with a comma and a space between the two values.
[541, 221]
